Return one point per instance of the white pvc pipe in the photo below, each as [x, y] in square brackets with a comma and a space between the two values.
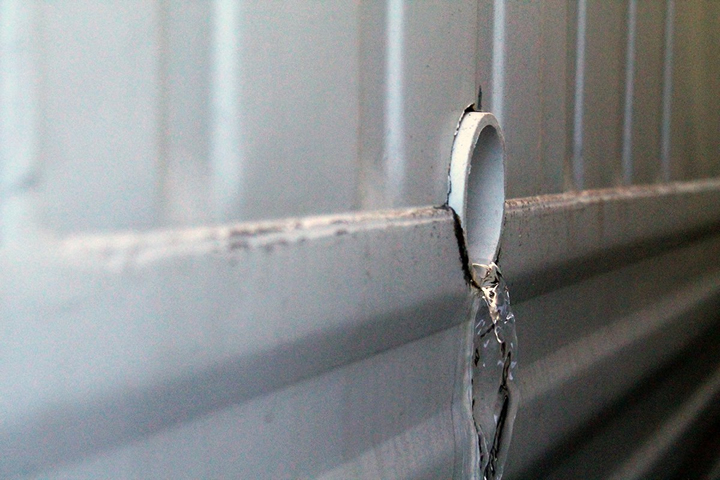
[477, 184]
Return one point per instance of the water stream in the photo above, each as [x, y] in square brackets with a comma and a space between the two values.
[495, 393]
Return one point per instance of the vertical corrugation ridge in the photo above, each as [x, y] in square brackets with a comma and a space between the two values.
[667, 90]
[578, 169]
[163, 112]
[498, 59]
[627, 158]
[226, 141]
[394, 99]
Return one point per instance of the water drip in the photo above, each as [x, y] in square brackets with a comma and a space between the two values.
[495, 393]
[476, 193]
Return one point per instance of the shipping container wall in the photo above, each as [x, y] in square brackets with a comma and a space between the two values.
[150, 113]
[136, 136]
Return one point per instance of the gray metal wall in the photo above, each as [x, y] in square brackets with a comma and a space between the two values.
[145, 114]
[596, 94]
[186, 112]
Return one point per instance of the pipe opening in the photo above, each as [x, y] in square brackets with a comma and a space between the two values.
[485, 198]
[477, 186]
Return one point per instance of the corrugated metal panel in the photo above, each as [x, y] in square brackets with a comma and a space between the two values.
[599, 82]
[237, 352]
[155, 113]
[231, 110]
[209, 357]
[608, 306]
[642, 123]
[363, 96]
[528, 92]
[696, 79]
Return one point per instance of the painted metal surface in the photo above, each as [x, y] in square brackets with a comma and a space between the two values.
[121, 352]
[230, 340]
[182, 111]
[325, 427]
[608, 306]
[135, 335]
[186, 112]
[549, 237]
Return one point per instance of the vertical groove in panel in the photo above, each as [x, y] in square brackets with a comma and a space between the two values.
[646, 112]
[371, 107]
[425, 80]
[385, 83]
[627, 158]
[498, 59]
[552, 115]
[531, 77]
[578, 170]
[667, 89]
[289, 137]
[188, 67]
[163, 104]
[19, 167]
[695, 142]
[226, 145]
[395, 154]
[484, 51]
[603, 74]
[517, 96]
[439, 75]
[570, 32]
